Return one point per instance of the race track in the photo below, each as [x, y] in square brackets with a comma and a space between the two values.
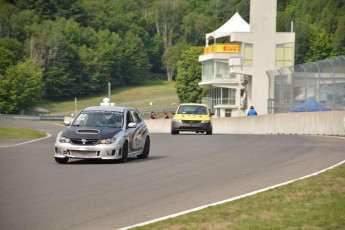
[182, 172]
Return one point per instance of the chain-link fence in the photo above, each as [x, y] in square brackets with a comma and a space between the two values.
[323, 81]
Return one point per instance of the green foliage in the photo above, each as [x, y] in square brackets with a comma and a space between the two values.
[51, 9]
[15, 23]
[189, 75]
[195, 26]
[6, 59]
[81, 45]
[108, 54]
[318, 26]
[171, 56]
[11, 51]
[339, 39]
[322, 44]
[155, 49]
[169, 15]
[20, 87]
[13, 48]
[135, 63]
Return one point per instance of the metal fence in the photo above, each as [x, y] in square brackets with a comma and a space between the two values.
[322, 80]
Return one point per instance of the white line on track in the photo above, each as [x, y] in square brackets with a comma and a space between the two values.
[22, 143]
[230, 199]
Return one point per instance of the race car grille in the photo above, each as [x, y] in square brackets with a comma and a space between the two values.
[83, 154]
[191, 122]
[84, 141]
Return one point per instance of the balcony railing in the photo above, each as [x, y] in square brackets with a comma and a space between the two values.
[221, 101]
[231, 77]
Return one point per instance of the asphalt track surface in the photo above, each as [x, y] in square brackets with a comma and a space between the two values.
[182, 172]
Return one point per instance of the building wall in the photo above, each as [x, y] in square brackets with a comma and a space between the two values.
[263, 26]
[264, 40]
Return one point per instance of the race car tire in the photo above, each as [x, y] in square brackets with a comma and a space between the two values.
[174, 132]
[124, 155]
[146, 150]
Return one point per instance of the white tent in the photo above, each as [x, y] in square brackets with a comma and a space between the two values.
[235, 24]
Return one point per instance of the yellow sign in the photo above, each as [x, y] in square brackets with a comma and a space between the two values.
[222, 49]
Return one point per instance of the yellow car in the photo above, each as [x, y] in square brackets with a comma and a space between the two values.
[193, 117]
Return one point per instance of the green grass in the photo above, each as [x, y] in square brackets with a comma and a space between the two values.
[136, 96]
[19, 133]
[317, 202]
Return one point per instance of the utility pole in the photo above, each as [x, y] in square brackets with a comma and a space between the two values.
[75, 106]
[109, 89]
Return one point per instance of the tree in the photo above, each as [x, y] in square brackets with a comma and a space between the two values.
[83, 44]
[169, 14]
[189, 75]
[307, 15]
[145, 6]
[195, 26]
[6, 59]
[155, 50]
[135, 64]
[303, 35]
[64, 79]
[168, 19]
[21, 87]
[14, 23]
[51, 9]
[11, 51]
[171, 57]
[49, 46]
[108, 54]
[73, 32]
[340, 37]
[46, 43]
[321, 46]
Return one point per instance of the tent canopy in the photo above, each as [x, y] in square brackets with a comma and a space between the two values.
[235, 24]
[309, 106]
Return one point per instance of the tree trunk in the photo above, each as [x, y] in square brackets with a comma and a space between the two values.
[170, 74]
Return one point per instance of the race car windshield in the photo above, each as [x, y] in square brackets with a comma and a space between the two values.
[192, 109]
[99, 119]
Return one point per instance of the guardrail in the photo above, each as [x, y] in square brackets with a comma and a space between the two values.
[29, 117]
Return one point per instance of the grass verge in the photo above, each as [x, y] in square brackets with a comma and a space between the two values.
[136, 95]
[19, 133]
[317, 202]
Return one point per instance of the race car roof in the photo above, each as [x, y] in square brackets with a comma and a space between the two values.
[106, 108]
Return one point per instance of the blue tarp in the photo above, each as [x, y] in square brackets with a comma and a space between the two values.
[310, 106]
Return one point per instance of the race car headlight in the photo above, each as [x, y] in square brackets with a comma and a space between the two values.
[205, 121]
[64, 140]
[108, 141]
[177, 121]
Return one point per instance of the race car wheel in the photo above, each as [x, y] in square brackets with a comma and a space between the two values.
[146, 150]
[209, 132]
[61, 160]
[174, 132]
[124, 155]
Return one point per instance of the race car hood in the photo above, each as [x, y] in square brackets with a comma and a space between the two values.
[192, 117]
[90, 132]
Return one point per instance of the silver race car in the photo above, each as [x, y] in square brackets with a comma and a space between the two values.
[103, 132]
